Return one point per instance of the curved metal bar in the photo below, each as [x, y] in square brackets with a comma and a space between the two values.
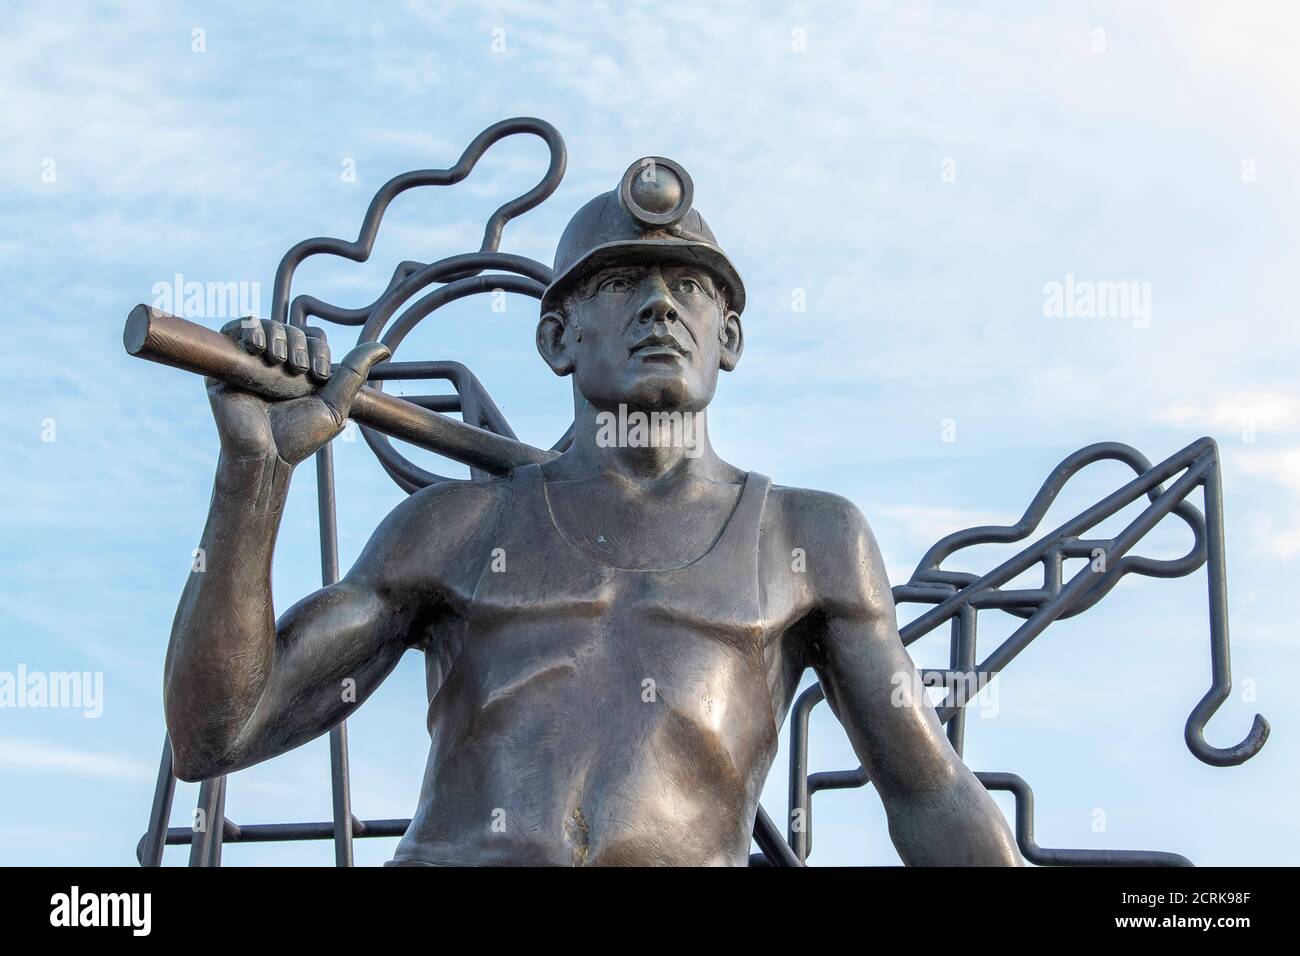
[799, 828]
[407, 474]
[411, 277]
[1189, 460]
[990, 534]
[1200, 464]
[801, 798]
[449, 269]
[453, 291]
[1220, 661]
[927, 569]
[838, 780]
[306, 306]
[1043, 856]
[359, 250]
[959, 594]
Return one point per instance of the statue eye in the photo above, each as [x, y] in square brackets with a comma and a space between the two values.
[687, 286]
[616, 284]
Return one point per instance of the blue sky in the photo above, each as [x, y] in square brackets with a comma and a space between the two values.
[921, 171]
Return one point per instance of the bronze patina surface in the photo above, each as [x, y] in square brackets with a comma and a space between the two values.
[613, 634]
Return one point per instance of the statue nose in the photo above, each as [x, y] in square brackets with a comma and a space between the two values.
[657, 308]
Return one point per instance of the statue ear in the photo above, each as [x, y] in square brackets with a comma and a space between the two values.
[732, 337]
[553, 342]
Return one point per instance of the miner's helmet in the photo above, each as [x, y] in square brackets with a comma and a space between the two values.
[648, 217]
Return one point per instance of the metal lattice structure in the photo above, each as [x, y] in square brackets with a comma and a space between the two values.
[956, 598]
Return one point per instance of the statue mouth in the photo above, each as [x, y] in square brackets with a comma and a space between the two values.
[658, 347]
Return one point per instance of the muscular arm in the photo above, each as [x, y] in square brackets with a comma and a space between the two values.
[939, 814]
[238, 687]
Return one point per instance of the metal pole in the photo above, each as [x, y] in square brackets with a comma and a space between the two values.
[340, 785]
[211, 811]
[963, 665]
[164, 792]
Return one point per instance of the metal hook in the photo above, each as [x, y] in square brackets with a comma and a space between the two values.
[1194, 733]
[1220, 661]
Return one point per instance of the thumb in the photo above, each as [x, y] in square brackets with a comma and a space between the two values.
[349, 375]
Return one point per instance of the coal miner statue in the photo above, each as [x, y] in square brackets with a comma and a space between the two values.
[613, 636]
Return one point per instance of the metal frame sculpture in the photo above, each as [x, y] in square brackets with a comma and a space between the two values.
[484, 441]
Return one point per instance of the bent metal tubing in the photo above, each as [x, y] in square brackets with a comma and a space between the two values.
[958, 597]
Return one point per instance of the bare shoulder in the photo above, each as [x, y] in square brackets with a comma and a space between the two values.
[436, 526]
[821, 521]
[455, 505]
[845, 571]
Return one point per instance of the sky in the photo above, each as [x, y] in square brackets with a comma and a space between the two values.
[906, 188]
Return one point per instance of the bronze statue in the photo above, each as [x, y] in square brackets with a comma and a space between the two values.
[612, 636]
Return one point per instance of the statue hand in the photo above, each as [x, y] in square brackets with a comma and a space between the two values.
[251, 426]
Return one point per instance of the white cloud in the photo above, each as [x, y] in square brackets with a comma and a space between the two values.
[45, 756]
[1281, 467]
[1246, 411]
[930, 522]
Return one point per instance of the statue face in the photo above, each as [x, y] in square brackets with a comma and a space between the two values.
[646, 335]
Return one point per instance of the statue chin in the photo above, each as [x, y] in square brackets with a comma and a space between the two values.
[653, 391]
[660, 393]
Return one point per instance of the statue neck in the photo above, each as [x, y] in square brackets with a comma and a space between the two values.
[639, 445]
